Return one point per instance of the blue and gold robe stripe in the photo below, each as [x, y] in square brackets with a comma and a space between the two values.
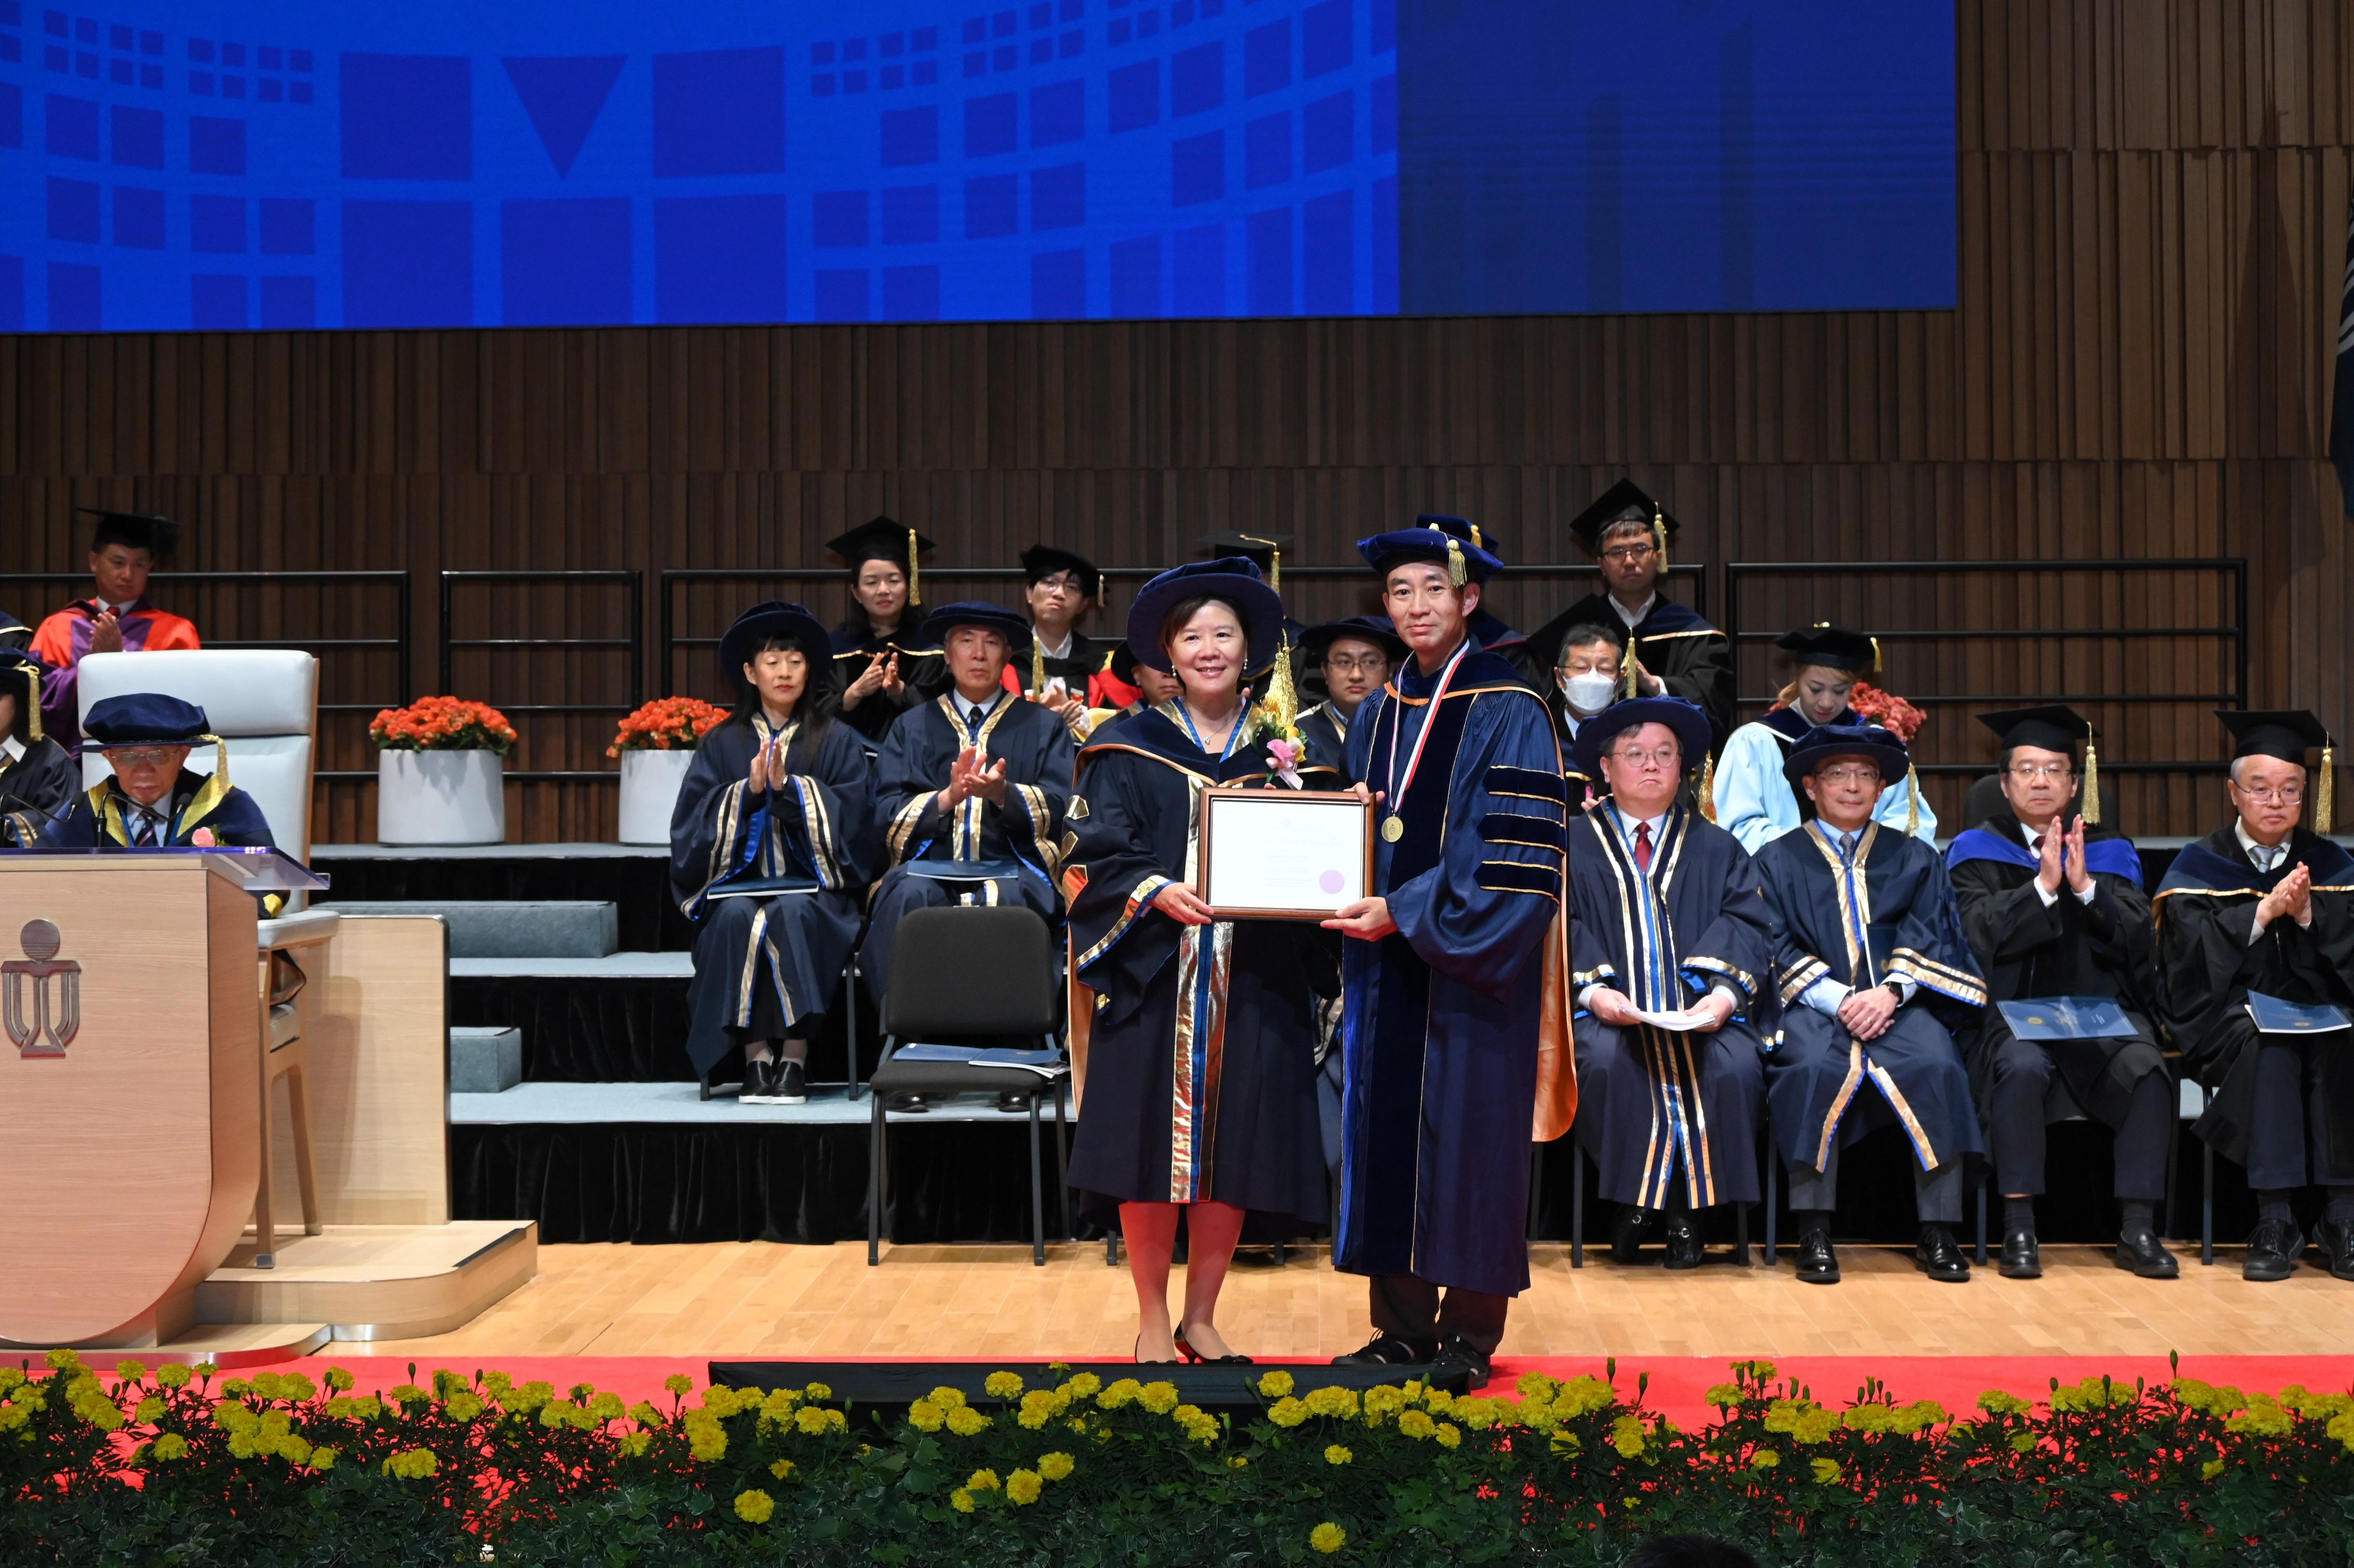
[1541, 824]
[763, 943]
[903, 825]
[1706, 970]
[1139, 899]
[825, 859]
[1526, 784]
[1794, 983]
[741, 842]
[1853, 887]
[1041, 814]
[1946, 980]
[1198, 1048]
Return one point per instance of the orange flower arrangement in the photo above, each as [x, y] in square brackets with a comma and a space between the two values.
[443, 724]
[667, 724]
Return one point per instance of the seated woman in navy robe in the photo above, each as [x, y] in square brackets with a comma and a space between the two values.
[38, 779]
[1669, 918]
[972, 788]
[1201, 1072]
[1874, 976]
[770, 849]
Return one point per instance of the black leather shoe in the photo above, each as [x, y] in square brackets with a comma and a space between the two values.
[2336, 1239]
[906, 1104]
[760, 1085]
[2272, 1248]
[1013, 1102]
[1390, 1350]
[2021, 1258]
[792, 1083]
[1818, 1263]
[1684, 1248]
[1940, 1257]
[1629, 1230]
[1461, 1354]
[2142, 1252]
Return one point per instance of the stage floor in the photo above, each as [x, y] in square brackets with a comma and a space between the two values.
[732, 1299]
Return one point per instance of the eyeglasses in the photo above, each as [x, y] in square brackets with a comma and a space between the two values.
[1850, 776]
[2287, 795]
[1372, 664]
[1665, 757]
[1624, 553]
[140, 756]
[2038, 770]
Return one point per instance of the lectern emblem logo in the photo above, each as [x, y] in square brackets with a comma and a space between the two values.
[40, 1027]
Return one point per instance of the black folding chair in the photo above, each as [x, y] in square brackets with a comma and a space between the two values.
[970, 975]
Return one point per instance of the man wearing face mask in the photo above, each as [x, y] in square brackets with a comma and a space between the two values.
[1753, 802]
[1587, 676]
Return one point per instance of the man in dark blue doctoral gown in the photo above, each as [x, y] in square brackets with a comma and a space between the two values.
[1456, 969]
[1669, 920]
[972, 788]
[1874, 976]
[2262, 908]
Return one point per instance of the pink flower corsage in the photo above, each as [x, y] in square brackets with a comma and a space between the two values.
[1286, 756]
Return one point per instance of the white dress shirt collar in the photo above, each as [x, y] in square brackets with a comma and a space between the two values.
[1634, 618]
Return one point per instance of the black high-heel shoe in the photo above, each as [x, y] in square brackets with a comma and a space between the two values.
[1196, 1357]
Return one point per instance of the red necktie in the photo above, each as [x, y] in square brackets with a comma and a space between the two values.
[2035, 844]
[1643, 848]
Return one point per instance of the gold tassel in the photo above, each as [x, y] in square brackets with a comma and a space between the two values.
[220, 758]
[1660, 533]
[1708, 787]
[914, 589]
[32, 703]
[1456, 573]
[1911, 801]
[1630, 671]
[1476, 540]
[1274, 559]
[1875, 656]
[2092, 813]
[2325, 808]
[1280, 692]
[1037, 666]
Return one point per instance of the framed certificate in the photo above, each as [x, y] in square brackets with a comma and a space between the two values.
[1284, 854]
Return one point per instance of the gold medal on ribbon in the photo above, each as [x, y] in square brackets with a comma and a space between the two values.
[1393, 829]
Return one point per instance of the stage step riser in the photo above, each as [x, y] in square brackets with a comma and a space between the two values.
[484, 1061]
[513, 928]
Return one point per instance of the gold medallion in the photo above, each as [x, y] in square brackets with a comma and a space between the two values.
[1393, 829]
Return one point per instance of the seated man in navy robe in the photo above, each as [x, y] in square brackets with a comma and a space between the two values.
[1449, 979]
[972, 788]
[1874, 976]
[1670, 919]
[152, 800]
[2260, 914]
[2054, 910]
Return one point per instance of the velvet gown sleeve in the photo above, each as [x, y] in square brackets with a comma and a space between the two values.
[1929, 947]
[44, 781]
[715, 828]
[2207, 964]
[1034, 813]
[1480, 915]
[1123, 839]
[909, 774]
[2004, 925]
[1737, 948]
[1791, 901]
[828, 813]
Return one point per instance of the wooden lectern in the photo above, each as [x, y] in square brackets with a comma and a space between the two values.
[132, 1148]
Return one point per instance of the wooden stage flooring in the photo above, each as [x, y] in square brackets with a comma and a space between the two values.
[760, 1299]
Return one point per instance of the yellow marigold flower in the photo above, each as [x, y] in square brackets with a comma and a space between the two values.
[1478, 1413]
[1037, 1409]
[130, 1370]
[960, 1501]
[1160, 1398]
[1826, 1471]
[924, 1415]
[1908, 1419]
[2022, 1442]
[1328, 1538]
[966, 1422]
[1582, 1396]
[1329, 1401]
[1081, 1385]
[531, 1396]
[1994, 1401]
[1438, 1399]
[11, 1380]
[1450, 1435]
[465, 1405]
[1003, 1384]
[235, 1387]
[755, 1507]
[1417, 1425]
[1765, 1459]
[1867, 1418]
[1816, 1426]
[151, 1409]
[606, 1406]
[1056, 1465]
[817, 1391]
[2342, 1428]
[1760, 1371]
[1275, 1384]
[635, 1443]
[64, 1362]
[170, 1445]
[205, 1368]
[494, 1384]
[2262, 1419]
[1121, 1393]
[1288, 1412]
[338, 1378]
[781, 1469]
[1023, 1487]
[323, 1460]
[1388, 1399]
[412, 1463]
[808, 1419]
[706, 1443]
[679, 1383]
[408, 1394]
[172, 1374]
[1723, 1395]
[2210, 1469]
[1238, 1463]
[1627, 1436]
[947, 1398]
[1336, 1455]
[1536, 1385]
[981, 1481]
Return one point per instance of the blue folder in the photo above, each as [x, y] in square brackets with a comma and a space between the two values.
[2067, 1018]
[2273, 1016]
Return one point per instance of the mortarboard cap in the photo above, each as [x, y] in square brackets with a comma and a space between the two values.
[989, 617]
[2288, 734]
[1468, 553]
[2054, 726]
[1044, 560]
[20, 677]
[1377, 630]
[883, 539]
[1263, 550]
[159, 537]
[1625, 502]
[1832, 647]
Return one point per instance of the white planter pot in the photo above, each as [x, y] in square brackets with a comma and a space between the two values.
[440, 797]
[650, 786]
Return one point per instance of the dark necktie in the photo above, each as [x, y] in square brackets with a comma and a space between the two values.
[1643, 848]
[2035, 844]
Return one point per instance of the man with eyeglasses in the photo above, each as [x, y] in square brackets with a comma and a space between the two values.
[1354, 656]
[2255, 937]
[1061, 660]
[2054, 910]
[1874, 979]
[1670, 953]
[1670, 650]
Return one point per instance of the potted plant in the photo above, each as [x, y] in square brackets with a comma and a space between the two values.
[656, 745]
[438, 772]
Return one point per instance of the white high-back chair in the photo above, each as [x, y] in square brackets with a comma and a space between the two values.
[265, 701]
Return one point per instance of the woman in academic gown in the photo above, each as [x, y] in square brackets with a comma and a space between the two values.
[773, 845]
[1753, 802]
[1201, 1069]
[38, 779]
[883, 664]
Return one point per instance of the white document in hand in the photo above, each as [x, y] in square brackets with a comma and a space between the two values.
[1679, 1021]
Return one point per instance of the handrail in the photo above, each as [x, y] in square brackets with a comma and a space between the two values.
[631, 644]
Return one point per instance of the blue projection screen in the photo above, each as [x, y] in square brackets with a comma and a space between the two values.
[202, 165]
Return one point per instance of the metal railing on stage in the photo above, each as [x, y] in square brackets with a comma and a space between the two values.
[631, 645]
[165, 586]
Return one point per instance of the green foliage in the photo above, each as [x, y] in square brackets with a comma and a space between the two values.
[168, 1467]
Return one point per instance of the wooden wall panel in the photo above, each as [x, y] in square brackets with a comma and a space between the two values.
[2153, 202]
